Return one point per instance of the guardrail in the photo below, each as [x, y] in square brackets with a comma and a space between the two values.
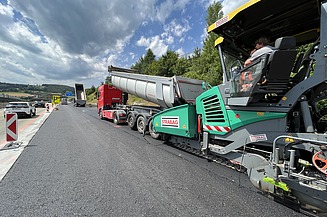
[5, 98]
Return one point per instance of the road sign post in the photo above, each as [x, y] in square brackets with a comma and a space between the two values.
[11, 127]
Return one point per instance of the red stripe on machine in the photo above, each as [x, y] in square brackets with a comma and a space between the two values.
[227, 129]
[216, 128]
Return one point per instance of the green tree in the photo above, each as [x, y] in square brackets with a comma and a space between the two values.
[181, 66]
[196, 69]
[138, 65]
[167, 64]
[142, 65]
[149, 57]
[154, 68]
[214, 13]
[208, 64]
[91, 90]
[108, 80]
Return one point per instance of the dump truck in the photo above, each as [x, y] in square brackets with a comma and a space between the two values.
[162, 91]
[275, 129]
[80, 95]
[112, 105]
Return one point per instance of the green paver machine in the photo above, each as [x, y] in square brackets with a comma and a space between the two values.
[268, 118]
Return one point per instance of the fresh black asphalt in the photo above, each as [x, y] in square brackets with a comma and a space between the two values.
[79, 165]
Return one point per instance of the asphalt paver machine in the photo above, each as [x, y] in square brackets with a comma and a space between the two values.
[268, 118]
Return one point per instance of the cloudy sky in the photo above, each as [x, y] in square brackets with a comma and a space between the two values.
[67, 42]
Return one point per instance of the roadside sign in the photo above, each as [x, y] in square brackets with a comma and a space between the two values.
[69, 93]
[56, 99]
[11, 127]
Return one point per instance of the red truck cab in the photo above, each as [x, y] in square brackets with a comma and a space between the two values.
[110, 103]
[108, 97]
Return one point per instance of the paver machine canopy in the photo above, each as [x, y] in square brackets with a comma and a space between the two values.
[292, 23]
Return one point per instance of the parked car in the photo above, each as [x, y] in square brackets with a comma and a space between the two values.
[39, 104]
[20, 108]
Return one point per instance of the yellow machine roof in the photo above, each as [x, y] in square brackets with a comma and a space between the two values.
[269, 18]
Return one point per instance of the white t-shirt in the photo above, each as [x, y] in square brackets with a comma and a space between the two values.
[258, 53]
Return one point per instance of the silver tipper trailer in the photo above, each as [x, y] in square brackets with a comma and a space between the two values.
[166, 92]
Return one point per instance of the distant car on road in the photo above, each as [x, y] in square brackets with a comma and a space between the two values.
[63, 101]
[39, 104]
[20, 108]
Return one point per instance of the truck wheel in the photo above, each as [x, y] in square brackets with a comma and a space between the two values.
[140, 123]
[131, 121]
[115, 119]
[152, 133]
[101, 114]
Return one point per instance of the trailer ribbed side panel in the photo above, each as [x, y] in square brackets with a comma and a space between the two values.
[166, 92]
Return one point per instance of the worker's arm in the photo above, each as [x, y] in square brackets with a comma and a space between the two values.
[247, 62]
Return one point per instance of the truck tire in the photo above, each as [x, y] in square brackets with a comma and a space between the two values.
[31, 114]
[116, 119]
[152, 133]
[131, 121]
[140, 124]
[101, 114]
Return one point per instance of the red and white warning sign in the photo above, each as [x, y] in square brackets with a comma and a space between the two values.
[11, 127]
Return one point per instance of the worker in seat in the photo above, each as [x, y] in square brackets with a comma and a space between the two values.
[281, 61]
[261, 47]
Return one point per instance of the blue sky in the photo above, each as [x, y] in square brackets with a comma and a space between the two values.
[67, 42]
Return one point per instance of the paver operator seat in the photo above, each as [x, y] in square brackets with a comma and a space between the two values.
[270, 74]
[276, 72]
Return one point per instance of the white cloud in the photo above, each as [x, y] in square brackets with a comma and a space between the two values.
[230, 5]
[132, 55]
[66, 40]
[5, 14]
[177, 29]
[169, 39]
[112, 59]
[168, 6]
[86, 26]
[143, 42]
[180, 52]
[74, 41]
[156, 44]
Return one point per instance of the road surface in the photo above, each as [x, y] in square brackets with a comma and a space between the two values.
[79, 165]
[27, 127]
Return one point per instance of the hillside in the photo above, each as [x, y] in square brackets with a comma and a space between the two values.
[43, 89]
